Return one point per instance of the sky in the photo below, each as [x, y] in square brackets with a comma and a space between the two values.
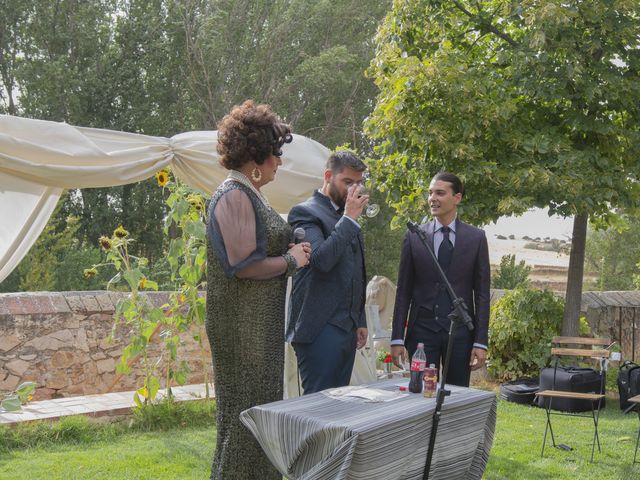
[534, 223]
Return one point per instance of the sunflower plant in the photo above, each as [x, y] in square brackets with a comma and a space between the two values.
[187, 256]
[135, 313]
[185, 312]
[13, 401]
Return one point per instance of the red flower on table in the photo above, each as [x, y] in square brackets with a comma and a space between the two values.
[388, 358]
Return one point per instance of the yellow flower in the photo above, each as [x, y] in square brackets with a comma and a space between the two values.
[142, 282]
[181, 298]
[120, 232]
[105, 243]
[89, 272]
[163, 178]
[196, 201]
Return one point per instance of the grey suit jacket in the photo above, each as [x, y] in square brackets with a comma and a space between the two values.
[331, 289]
[418, 280]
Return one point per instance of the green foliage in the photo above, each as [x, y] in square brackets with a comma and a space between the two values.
[509, 275]
[186, 261]
[522, 324]
[532, 104]
[161, 67]
[136, 313]
[613, 253]
[166, 415]
[13, 401]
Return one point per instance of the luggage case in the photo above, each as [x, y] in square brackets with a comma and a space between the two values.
[571, 379]
[521, 391]
[628, 383]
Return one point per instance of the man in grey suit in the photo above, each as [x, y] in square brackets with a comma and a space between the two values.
[326, 318]
[422, 301]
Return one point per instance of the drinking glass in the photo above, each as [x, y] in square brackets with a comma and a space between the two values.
[372, 208]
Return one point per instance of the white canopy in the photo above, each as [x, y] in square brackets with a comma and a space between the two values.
[38, 159]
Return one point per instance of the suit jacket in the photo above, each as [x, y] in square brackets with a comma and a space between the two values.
[331, 289]
[419, 281]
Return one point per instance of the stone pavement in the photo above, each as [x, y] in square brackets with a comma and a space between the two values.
[105, 405]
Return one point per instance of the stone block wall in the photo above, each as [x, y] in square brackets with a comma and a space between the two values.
[60, 341]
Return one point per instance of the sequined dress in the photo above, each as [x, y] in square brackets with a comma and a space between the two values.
[245, 326]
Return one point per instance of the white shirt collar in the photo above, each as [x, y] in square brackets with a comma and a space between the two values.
[452, 225]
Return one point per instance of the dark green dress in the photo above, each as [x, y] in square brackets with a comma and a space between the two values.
[245, 326]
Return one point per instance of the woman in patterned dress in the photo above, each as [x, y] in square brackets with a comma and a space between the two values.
[250, 256]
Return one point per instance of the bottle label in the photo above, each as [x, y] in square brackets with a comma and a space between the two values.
[418, 366]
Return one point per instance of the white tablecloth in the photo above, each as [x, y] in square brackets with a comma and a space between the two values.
[320, 436]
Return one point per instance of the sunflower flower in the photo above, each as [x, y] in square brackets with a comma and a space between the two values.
[105, 243]
[120, 232]
[196, 201]
[142, 283]
[89, 272]
[163, 178]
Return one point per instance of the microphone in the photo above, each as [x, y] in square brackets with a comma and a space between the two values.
[298, 235]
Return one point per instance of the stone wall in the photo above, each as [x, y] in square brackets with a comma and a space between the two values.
[60, 341]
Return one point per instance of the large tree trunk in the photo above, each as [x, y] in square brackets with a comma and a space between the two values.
[573, 298]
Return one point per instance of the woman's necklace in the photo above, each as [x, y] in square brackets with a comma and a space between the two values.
[242, 178]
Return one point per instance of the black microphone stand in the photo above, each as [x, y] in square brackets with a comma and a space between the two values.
[458, 316]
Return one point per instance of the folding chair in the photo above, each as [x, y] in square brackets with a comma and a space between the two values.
[586, 351]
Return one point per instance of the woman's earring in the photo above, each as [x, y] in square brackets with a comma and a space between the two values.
[256, 174]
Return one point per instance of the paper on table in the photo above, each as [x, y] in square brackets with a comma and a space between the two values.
[355, 393]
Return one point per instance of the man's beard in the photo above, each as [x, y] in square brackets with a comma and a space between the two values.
[335, 195]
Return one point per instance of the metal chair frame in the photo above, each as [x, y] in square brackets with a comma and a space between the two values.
[595, 398]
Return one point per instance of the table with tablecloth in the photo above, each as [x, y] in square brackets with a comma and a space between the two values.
[342, 436]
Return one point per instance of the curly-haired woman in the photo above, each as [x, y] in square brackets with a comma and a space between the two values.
[250, 257]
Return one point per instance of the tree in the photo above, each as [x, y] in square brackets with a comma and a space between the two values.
[614, 253]
[509, 275]
[161, 67]
[306, 58]
[533, 103]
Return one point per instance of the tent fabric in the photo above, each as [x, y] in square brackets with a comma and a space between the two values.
[38, 159]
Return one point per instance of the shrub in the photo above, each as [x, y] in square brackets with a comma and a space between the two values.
[509, 275]
[522, 325]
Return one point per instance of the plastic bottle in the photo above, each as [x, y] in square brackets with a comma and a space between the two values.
[430, 381]
[418, 364]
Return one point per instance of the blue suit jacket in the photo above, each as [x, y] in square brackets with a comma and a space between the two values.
[331, 289]
[418, 280]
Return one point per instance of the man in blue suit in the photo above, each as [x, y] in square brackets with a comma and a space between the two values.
[422, 301]
[326, 318]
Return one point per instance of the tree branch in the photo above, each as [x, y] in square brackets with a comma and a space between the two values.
[484, 25]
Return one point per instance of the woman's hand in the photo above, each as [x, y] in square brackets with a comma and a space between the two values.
[301, 252]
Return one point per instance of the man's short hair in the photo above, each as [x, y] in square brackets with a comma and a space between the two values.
[342, 159]
[455, 182]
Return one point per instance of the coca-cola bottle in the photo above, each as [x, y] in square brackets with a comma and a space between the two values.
[430, 380]
[418, 364]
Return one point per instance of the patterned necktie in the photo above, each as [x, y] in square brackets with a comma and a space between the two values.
[442, 304]
[445, 252]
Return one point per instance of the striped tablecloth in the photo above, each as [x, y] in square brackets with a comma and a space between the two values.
[322, 437]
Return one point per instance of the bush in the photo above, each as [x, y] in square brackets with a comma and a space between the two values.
[509, 275]
[521, 326]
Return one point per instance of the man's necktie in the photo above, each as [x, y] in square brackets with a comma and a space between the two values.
[442, 306]
[445, 252]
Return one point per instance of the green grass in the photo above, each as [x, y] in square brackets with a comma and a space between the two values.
[179, 445]
[170, 454]
[518, 441]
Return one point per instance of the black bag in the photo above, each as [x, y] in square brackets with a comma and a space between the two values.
[628, 383]
[571, 379]
[521, 391]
